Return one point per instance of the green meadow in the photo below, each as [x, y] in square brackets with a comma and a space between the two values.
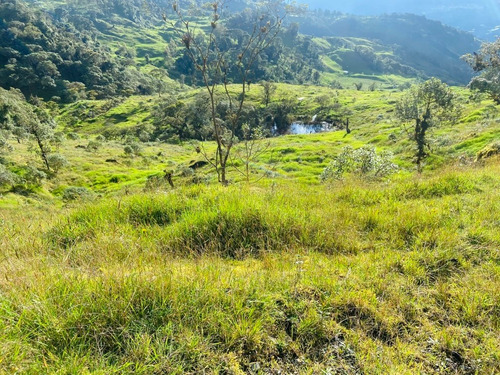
[281, 274]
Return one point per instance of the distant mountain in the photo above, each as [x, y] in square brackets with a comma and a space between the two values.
[107, 48]
[428, 47]
[481, 17]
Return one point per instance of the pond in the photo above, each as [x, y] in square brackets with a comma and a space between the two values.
[301, 128]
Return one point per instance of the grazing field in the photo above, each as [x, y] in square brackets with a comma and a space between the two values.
[362, 277]
[246, 187]
[105, 268]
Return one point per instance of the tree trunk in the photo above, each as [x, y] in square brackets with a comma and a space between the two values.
[421, 127]
[43, 153]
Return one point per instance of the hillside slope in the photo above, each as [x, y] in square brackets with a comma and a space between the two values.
[120, 46]
[481, 18]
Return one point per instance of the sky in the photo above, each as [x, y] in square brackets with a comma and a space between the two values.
[477, 16]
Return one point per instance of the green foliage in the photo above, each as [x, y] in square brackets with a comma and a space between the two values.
[7, 178]
[487, 64]
[364, 162]
[132, 149]
[19, 120]
[16, 115]
[73, 193]
[94, 146]
[128, 150]
[57, 162]
[33, 175]
[427, 105]
[268, 90]
[49, 59]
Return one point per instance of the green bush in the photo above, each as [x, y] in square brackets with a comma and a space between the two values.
[6, 177]
[73, 193]
[57, 161]
[364, 161]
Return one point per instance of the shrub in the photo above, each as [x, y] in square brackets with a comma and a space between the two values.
[364, 161]
[132, 149]
[94, 146]
[73, 136]
[73, 193]
[57, 161]
[34, 175]
[7, 177]
[128, 150]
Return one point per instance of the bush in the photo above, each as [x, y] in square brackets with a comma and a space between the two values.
[94, 146]
[34, 175]
[128, 150]
[7, 177]
[73, 136]
[132, 149]
[364, 161]
[73, 193]
[57, 161]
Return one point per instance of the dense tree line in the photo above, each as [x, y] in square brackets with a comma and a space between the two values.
[56, 60]
[175, 120]
[59, 52]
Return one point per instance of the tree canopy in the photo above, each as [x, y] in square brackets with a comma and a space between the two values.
[426, 104]
[487, 64]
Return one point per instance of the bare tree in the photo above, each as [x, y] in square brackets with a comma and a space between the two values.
[215, 56]
[252, 146]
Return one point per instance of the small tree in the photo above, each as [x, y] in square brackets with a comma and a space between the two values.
[161, 76]
[215, 55]
[57, 162]
[426, 105]
[251, 147]
[487, 63]
[268, 90]
[42, 130]
[19, 119]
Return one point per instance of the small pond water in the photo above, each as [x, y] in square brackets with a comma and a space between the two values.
[301, 128]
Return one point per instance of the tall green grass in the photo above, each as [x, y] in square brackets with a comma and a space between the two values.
[359, 277]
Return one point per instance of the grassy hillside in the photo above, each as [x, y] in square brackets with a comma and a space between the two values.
[135, 40]
[397, 278]
[285, 275]
[125, 256]
[293, 157]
